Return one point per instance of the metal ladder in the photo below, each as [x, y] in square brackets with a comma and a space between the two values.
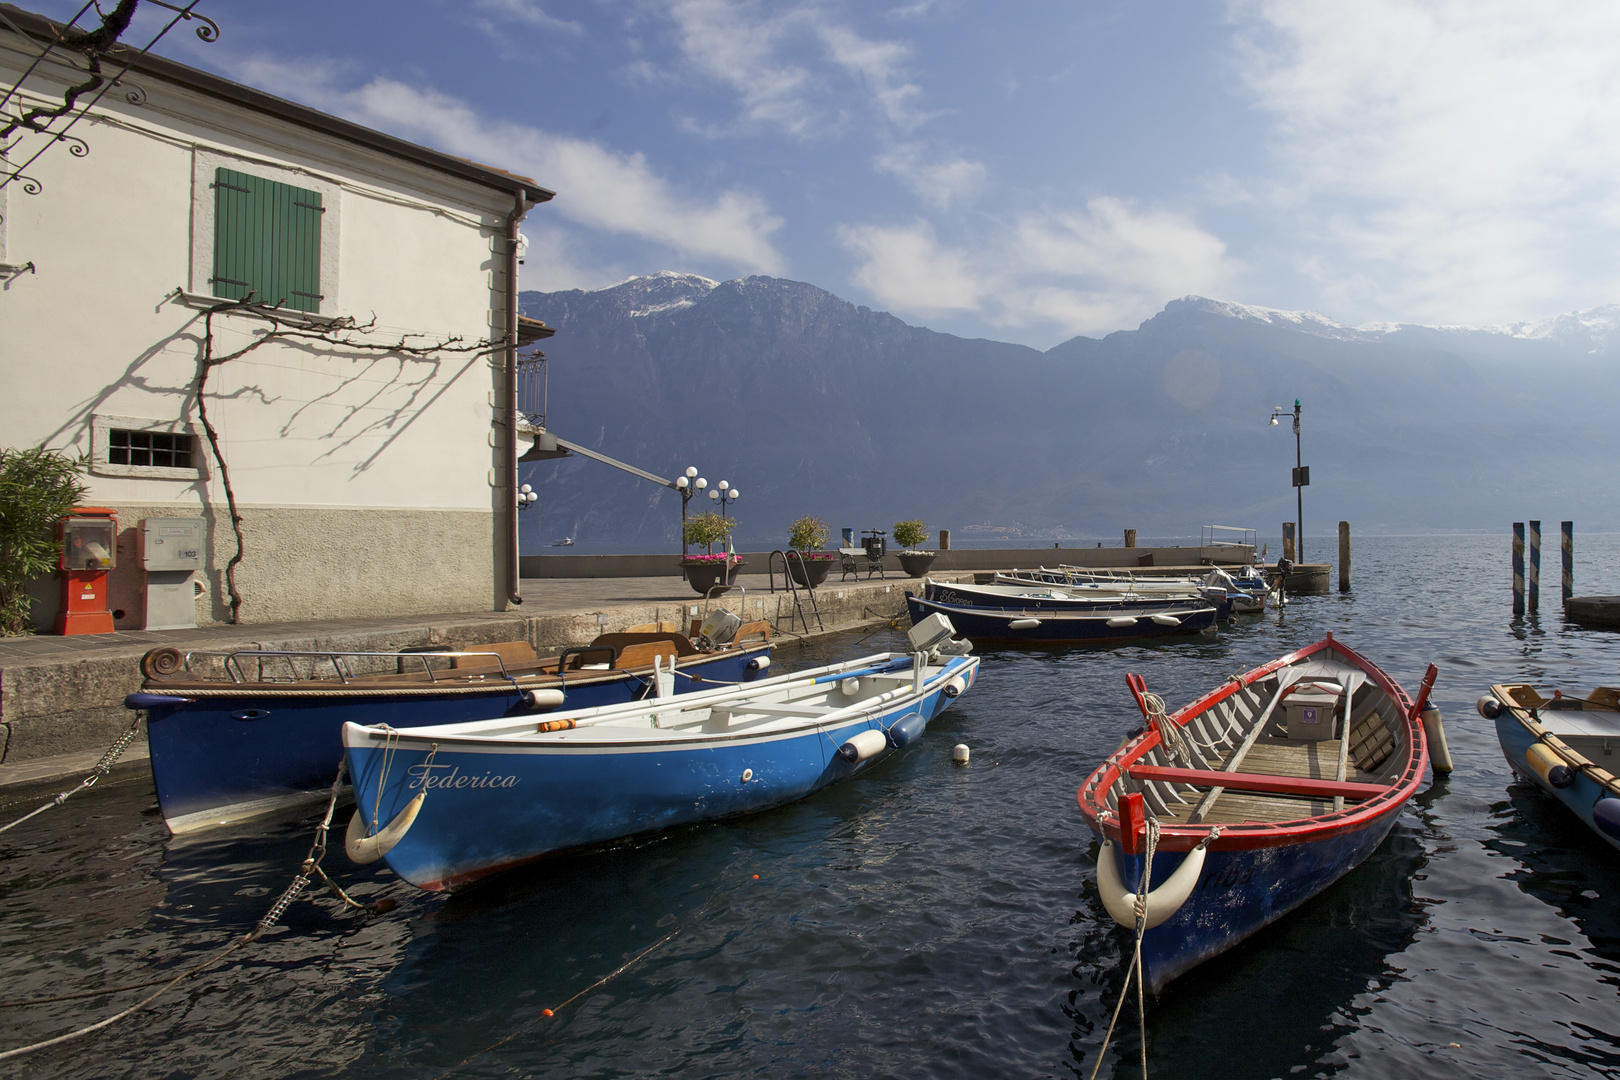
[793, 588]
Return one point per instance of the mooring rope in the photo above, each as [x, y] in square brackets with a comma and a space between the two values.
[102, 768]
[1142, 889]
[547, 1013]
[300, 881]
[1178, 741]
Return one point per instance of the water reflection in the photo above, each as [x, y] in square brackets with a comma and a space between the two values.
[1272, 995]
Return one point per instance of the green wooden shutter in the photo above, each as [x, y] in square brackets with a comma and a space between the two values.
[267, 241]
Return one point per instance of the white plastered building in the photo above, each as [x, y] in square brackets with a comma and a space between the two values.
[369, 481]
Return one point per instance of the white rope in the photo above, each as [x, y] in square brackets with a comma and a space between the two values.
[1178, 742]
[1144, 886]
[311, 864]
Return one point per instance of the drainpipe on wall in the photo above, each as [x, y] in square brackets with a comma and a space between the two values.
[513, 570]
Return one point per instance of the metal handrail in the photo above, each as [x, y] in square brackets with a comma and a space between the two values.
[232, 661]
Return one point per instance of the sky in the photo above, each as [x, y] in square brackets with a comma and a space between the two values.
[1025, 171]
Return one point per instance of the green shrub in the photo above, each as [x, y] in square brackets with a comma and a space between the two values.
[37, 489]
[707, 529]
[910, 534]
[808, 534]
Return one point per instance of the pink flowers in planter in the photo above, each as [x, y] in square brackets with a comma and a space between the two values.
[707, 560]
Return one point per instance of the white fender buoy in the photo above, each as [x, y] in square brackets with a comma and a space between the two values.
[1167, 620]
[863, 746]
[543, 699]
[960, 753]
[954, 686]
[368, 849]
[1023, 624]
[1117, 622]
[850, 687]
[1439, 749]
[1162, 902]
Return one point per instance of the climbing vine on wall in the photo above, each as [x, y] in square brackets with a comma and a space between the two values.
[276, 325]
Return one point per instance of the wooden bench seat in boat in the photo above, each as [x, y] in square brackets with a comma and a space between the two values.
[1263, 782]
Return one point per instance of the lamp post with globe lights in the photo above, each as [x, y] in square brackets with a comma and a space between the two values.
[688, 485]
[723, 493]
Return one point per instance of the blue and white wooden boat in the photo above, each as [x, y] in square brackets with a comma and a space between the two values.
[237, 735]
[1259, 795]
[1033, 624]
[450, 804]
[1070, 598]
[1568, 747]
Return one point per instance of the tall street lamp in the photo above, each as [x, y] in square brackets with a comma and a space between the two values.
[1302, 480]
[688, 485]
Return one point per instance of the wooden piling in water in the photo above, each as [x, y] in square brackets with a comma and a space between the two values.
[1533, 580]
[1344, 556]
[1567, 545]
[1518, 568]
[1289, 547]
[1130, 537]
[944, 539]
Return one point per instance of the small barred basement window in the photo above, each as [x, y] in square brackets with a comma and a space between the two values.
[151, 449]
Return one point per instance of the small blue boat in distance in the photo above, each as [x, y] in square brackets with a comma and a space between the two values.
[242, 734]
[448, 805]
[1565, 746]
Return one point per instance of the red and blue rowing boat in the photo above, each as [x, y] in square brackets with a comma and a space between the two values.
[1251, 800]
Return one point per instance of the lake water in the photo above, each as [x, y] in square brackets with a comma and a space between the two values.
[923, 921]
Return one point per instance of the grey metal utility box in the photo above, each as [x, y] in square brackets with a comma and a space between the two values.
[1308, 712]
[172, 543]
[171, 550]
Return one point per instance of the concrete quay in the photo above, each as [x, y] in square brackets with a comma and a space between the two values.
[61, 698]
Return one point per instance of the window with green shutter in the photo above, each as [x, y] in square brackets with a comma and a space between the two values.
[267, 241]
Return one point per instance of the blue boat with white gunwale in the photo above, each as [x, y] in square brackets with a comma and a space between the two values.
[1085, 624]
[1252, 799]
[448, 805]
[1566, 746]
[242, 734]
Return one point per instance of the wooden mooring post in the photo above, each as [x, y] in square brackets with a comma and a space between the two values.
[1288, 541]
[1130, 537]
[1533, 580]
[1567, 544]
[1518, 568]
[1344, 556]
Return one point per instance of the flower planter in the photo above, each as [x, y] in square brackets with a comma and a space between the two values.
[916, 563]
[810, 573]
[703, 576]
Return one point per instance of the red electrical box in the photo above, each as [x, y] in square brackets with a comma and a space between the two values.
[89, 537]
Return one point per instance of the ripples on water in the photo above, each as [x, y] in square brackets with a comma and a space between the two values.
[925, 920]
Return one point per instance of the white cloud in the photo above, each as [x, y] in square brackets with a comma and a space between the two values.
[597, 187]
[905, 267]
[529, 13]
[738, 46]
[1447, 160]
[938, 182]
[1084, 271]
[792, 66]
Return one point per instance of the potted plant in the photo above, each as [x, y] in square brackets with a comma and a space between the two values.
[807, 563]
[704, 572]
[910, 535]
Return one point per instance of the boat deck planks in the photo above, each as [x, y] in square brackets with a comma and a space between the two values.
[1313, 760]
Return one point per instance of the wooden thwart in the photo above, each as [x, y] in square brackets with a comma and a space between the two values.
[1281, 785]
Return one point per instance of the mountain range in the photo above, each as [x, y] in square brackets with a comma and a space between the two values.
[809, 404]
